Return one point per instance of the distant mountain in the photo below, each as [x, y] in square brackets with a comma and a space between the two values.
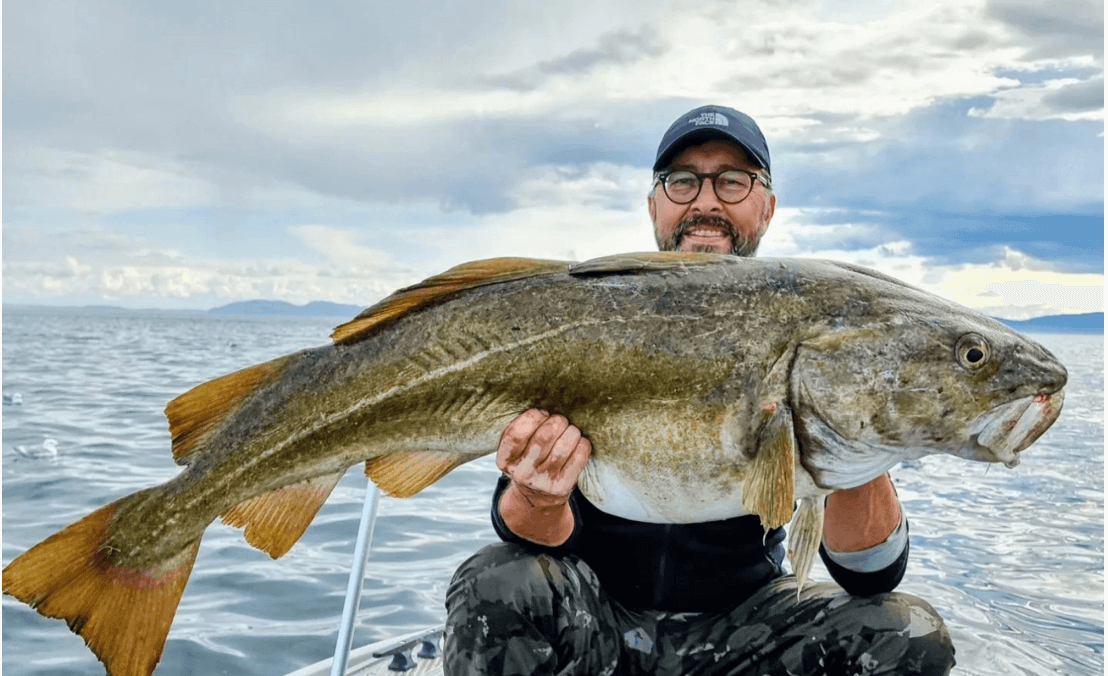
[279, 308]
[1084, 323]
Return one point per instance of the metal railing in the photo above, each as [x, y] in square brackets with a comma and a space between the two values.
[357, 577]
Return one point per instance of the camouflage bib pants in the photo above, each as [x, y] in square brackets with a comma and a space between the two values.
[513, 612]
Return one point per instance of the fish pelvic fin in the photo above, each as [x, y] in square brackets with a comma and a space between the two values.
[123, 614]
[274, 521]
[402, 475]
[440, 287]
[805, 534]
[769, 485]
[200, 410]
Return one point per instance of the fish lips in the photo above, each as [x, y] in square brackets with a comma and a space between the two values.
[1015, 426]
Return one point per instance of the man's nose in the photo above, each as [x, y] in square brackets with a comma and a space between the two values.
[707, 200]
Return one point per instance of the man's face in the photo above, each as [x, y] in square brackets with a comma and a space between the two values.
[707, 224]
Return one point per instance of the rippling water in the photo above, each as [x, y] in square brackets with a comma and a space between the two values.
[1013, 559]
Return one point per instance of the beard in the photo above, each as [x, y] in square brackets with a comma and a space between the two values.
[740, 245]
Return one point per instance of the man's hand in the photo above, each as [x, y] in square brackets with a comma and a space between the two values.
[544, 456]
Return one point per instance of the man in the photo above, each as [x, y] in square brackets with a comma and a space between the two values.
[573, 590]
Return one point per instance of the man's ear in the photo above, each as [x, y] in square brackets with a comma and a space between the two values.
[652, 208]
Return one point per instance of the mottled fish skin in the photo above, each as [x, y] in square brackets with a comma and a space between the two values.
[692, 374]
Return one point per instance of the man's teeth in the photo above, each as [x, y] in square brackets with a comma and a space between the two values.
[706, 232]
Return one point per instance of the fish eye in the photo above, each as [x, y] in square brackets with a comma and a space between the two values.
[972, 351]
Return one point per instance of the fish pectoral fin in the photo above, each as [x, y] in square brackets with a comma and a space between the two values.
[805, 534]
[437, 288]
[123, 614]
[402, 475]
[769, 483]
[197, 412]
[274, 521]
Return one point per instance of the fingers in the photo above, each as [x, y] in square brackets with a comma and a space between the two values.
[543, 452]
[514, 440]
[545, 438]
[561, 449]
[575, 463]
[558, 474]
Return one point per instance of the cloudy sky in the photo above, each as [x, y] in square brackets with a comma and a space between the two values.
[192, 153]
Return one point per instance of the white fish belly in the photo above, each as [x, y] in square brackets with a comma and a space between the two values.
[659, 498]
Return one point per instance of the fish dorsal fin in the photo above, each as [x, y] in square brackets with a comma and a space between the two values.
[402, 475]
[870, 273]
[274, 521]
[647, 261]
[196, 412]
[435, 289]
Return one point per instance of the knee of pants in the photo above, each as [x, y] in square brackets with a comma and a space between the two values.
[508, 574]
[896, 628]
[927, 632]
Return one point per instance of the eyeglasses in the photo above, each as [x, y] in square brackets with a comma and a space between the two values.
[732, 186]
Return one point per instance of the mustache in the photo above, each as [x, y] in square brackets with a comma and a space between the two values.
[698, 220]
[740, 245]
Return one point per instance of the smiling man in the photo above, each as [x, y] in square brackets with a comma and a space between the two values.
[733, 213]
[574, 590]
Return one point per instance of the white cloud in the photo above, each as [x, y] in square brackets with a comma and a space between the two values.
[1015, 286]
[102, 182]
[568, 213]
[1062, 99]
[781, 63]
[1019, 287]
[340, 248]
[526, 143]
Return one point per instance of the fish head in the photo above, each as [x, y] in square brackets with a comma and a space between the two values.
[911, 381]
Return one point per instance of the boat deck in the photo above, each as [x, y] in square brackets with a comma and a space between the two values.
[415, 654]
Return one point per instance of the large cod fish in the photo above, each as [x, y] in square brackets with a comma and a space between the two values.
[710, 386]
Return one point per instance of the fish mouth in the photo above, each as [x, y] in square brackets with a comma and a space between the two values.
[1016, 426]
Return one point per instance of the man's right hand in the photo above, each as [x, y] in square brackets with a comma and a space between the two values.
[544, 456]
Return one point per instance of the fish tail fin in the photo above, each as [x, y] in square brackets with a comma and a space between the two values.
[805, 534]
[122, 613]
[197, 412]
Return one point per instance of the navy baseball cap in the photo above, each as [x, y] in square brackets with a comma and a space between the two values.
[707, 123]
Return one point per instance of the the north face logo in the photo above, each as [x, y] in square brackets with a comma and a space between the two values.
[709, 118]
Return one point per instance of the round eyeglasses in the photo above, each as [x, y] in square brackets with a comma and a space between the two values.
[732, 186]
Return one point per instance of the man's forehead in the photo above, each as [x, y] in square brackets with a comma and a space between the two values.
[716, 151]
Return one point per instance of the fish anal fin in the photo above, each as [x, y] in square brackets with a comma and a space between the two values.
[196, 412]
[805, 534]
[438, 288]
[123, 614]
[769, 485]
[274, 521]
[402, 475]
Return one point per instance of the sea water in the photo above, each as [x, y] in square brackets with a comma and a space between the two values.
[1012, 559]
